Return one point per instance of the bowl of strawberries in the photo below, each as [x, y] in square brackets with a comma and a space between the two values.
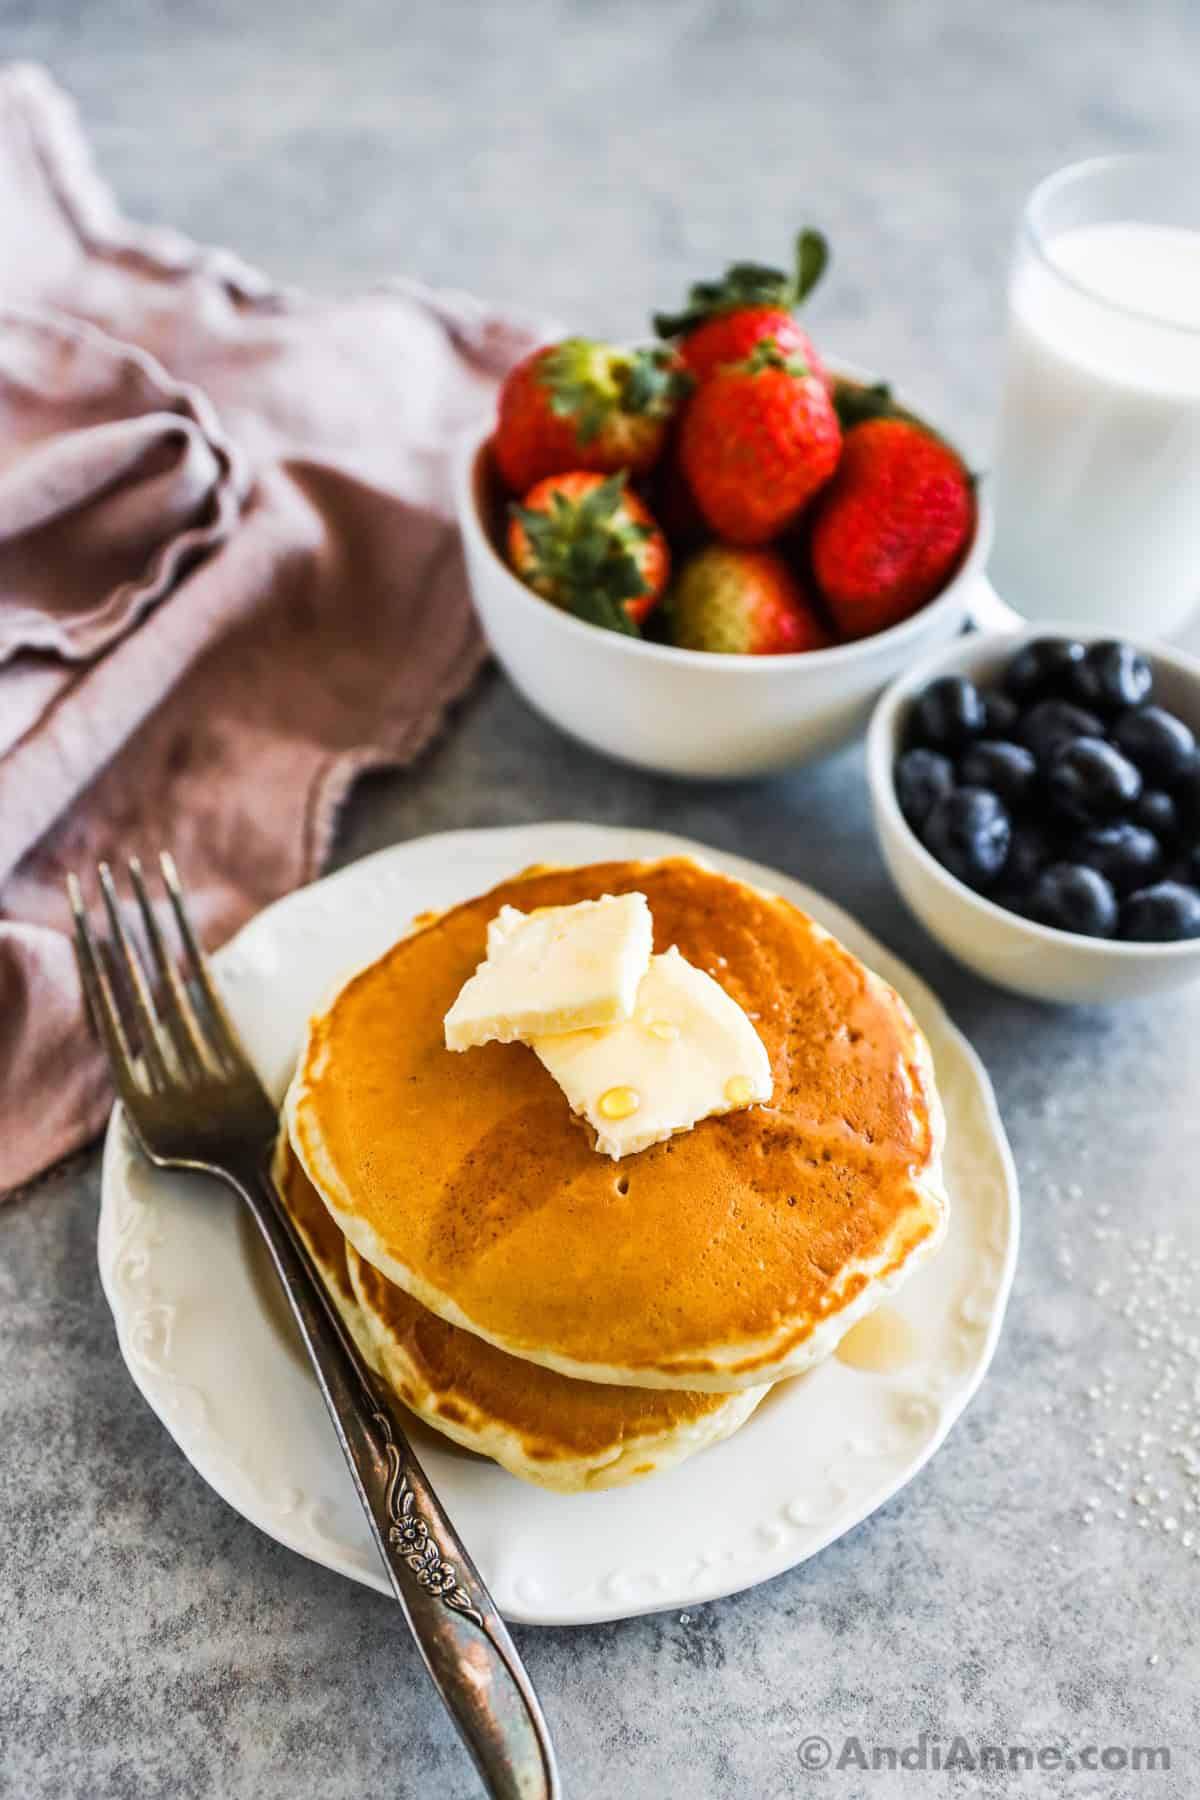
[708, 556]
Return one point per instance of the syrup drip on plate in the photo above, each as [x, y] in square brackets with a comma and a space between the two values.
[881, 1344]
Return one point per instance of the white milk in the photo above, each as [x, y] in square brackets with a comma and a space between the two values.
[1097, 467]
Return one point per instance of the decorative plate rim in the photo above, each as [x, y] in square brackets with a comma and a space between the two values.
[609, 1594]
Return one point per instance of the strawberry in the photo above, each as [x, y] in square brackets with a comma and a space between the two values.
[857, 401]
[747, 602]
[585, 405]
[723, 320]
[891, 526]
[589, 545]
[758, 439]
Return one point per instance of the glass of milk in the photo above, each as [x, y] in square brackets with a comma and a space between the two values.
[1097, 463]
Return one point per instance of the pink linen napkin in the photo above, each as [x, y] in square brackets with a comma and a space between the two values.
[229, 581]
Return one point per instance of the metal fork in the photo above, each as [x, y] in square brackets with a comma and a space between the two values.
[194, 1102]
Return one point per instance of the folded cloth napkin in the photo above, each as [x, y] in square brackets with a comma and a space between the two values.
[228, 577]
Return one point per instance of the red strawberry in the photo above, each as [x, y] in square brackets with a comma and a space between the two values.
[590, 546]
[747, 602]
[584, 405]
[892, 525]
[724, 320]
[731, 336]
[757, 441]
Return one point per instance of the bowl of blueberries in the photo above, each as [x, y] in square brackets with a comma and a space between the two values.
[1037, 798]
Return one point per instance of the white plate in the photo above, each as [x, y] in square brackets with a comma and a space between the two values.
[209, 1345]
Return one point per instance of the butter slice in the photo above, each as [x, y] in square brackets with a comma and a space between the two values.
[558, 969]
[688, 1051]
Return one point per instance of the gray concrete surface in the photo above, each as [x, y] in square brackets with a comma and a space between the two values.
[591, 158]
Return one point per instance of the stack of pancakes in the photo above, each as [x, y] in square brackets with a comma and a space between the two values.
[584, 1321]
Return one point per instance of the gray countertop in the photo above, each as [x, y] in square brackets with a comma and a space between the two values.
[1037, 1583]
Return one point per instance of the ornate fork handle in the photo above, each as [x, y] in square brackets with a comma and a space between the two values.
[463, 1640]
[193, 1101]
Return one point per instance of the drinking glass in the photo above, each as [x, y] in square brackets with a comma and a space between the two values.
[1097, 460]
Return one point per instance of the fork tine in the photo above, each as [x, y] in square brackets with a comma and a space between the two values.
[179, 1015]
[129, 963]
[224, 1030]
[100, 997]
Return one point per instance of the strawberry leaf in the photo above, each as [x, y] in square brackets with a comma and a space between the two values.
[750, 284]
[598, 608]
[580, 385]
[857, 403]
[583, 554]
[812, 259]
[587, 382]
[766, 354]
[654, 384]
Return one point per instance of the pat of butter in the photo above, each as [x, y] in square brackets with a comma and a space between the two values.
[688, 1051]
[558, 969]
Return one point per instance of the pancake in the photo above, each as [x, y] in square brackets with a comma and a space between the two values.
[731, 1255]
[558, 1433]
[324, 1243]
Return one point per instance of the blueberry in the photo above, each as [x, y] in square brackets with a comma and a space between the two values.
[1030, 849]
[1160, 744]
[947, 714]
[1075, 898]
[1007, 769]
[1185, 867]
[1052, 723]
[922, 776]
[1042, 668]
[1156, 812]
[1001, 715]
[1126, 855]
[969, 831]
[1186, 790]
[1112, 676]
[1089, 780]
[1161, 914]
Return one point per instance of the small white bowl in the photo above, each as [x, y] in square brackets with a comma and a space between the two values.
[689, 712]
[1014, 952]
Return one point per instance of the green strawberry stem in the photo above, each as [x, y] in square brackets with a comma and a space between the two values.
[750, 284]
[587, 382]
[599, 608]
[585, 552]
[858, 402]
[766, 354]
[812, 258]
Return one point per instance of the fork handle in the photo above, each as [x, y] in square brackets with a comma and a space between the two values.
[462, 1638]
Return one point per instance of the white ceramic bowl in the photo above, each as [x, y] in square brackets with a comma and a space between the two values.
[1016, 953]
[687, 712]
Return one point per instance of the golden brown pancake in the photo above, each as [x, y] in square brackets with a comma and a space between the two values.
[569, 1435]
[733, 1254]
[324, 1243]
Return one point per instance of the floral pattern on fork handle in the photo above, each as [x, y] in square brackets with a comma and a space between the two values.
[409, 1532]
